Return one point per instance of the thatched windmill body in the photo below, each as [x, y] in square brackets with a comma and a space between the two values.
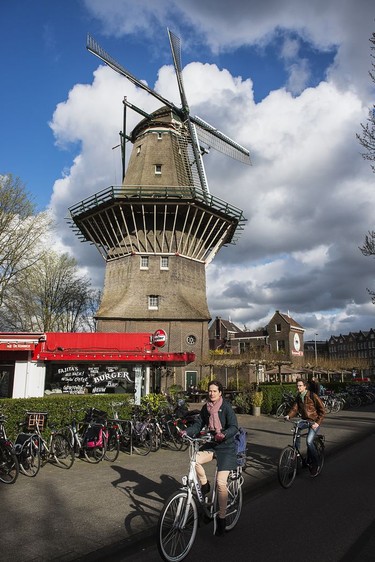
[158, 230]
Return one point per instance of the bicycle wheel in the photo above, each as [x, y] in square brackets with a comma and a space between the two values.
[354, 401]
[156, 440]
[281, 410]
[9, 468]
[335, 406]
[62, 451]
[29, 459]
[177, 527]
[142, 442]
[173, 440]
[113, 447]
[287, 467]
[327, 406]
[94, 454]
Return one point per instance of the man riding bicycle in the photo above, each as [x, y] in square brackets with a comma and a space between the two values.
[311, 409]
[217, 415]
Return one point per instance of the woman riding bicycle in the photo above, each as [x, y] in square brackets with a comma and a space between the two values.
[217, 415]
[311, 409]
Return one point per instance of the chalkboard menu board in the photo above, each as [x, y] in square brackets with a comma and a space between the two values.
[90, 378]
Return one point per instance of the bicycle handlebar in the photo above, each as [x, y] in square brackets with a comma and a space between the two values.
[205, 438]
[296, 421]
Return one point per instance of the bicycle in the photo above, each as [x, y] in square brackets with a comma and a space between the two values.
[178, 520]
[291, 458]
[285, 406]
[27, 450]
[86, 438]
[134, 435]
[9, 467]
[112, 434]
[166, 431]
[57, 449]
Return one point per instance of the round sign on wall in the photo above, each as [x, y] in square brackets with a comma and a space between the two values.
[159, 338]
[297, 343]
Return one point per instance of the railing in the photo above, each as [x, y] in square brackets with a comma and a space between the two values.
[118, 193]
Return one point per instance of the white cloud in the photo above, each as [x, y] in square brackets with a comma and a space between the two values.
[308, 197]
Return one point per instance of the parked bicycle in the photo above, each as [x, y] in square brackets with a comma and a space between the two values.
[87, 437]
[178, 521]
[135, 435]
[286, 404]
[291, 458]
[27, 450]
[9, 467]
[166, 431]
[57, 449]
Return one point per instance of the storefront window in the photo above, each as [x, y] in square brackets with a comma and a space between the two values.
[90, 378]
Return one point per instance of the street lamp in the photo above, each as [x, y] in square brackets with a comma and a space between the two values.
[316, 353]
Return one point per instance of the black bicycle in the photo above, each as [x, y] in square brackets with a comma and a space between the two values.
[87, 438]
[9, 467]
[291, 458]
[57, 449]
[286, 404]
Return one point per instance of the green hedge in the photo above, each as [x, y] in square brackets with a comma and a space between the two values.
[58, 408]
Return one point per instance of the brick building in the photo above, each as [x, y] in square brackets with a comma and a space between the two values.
[282, 335]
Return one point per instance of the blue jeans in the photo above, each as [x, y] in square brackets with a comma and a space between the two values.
[312, 433]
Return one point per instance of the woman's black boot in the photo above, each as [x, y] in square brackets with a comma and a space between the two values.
[220, 526]
[205, 488]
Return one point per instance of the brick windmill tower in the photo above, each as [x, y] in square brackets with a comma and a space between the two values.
[159, 230]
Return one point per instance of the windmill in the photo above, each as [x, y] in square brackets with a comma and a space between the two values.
[197, 130]
[159, 230]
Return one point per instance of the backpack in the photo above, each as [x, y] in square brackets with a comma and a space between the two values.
[240, 440]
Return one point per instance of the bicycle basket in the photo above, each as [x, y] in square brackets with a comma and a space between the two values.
[36, 419]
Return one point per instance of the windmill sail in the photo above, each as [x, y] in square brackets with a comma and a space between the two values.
[199, 130]
[219, 141]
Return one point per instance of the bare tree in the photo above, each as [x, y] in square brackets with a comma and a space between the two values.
[21, 230]
[50, 296]
[367, 138]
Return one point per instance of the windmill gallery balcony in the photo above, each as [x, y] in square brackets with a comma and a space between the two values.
[121, 220]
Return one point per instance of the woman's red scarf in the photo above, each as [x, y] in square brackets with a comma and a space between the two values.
[213, 409]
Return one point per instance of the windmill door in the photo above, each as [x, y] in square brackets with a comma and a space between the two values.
[190, 379]
[6, 381]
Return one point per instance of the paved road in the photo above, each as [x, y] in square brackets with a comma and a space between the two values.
[90, 511]
[330, 518]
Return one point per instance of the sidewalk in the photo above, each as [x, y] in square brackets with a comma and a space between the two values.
[90, 510]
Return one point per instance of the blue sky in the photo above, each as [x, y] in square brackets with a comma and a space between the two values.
[289, 80]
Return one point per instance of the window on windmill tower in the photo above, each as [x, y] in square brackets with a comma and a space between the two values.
[144, 262]
[153, 302]
[160, 135]
[139, 149]
[164, 262]
[158, 169]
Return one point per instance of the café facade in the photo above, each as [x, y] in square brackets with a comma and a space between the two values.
[36, 364]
